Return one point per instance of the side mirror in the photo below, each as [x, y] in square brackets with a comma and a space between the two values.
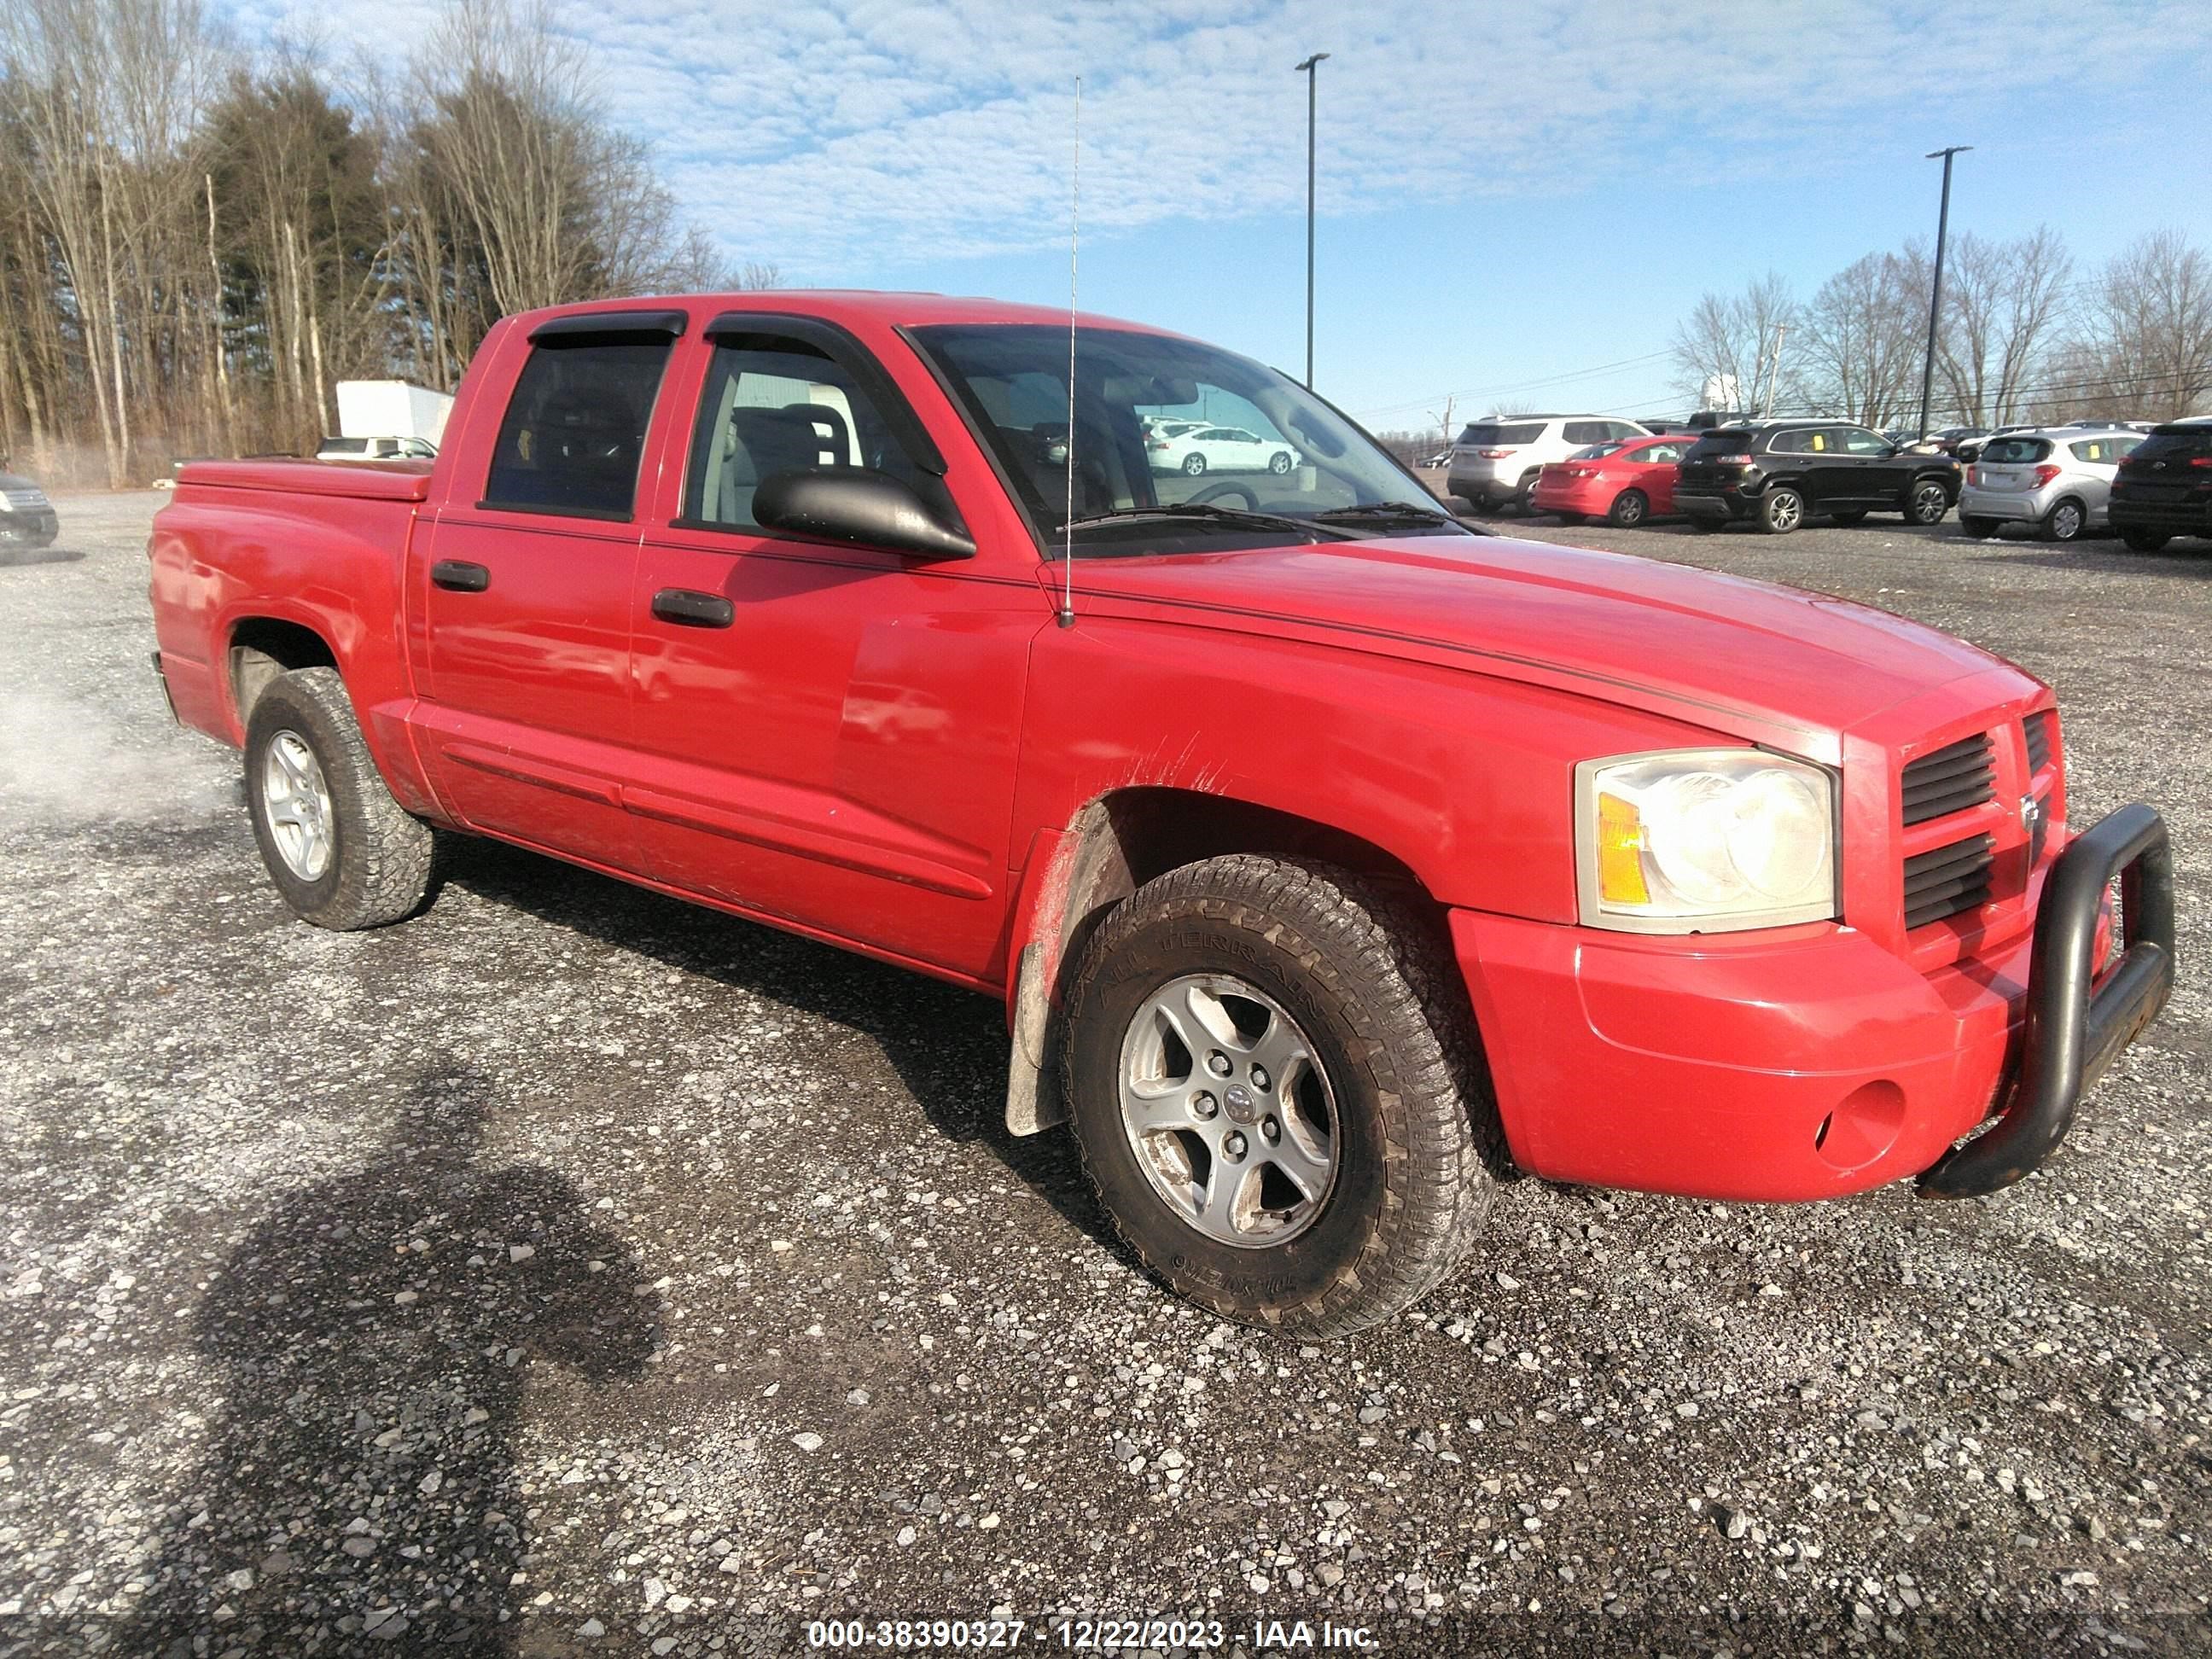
[857, 504]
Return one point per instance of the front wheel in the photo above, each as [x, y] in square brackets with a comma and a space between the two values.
[1630, 508]
[343, 853]
[1278, 462]
[1928, 502]
[1275, 1101]
[1781, 510]
[1193, 466]
[2144, 541]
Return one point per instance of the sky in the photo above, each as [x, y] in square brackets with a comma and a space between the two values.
[1516, 201]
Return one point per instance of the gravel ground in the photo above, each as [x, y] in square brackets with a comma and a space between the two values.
[569, 1270]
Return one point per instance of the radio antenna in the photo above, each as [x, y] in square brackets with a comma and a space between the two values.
[1074, 237]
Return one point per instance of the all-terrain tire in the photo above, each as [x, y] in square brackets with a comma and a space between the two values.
[378, 867]
[1365, 978]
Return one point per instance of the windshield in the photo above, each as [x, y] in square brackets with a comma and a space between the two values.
[1163, 426]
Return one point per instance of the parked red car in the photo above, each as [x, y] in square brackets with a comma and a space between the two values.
[1623, 482]
[1330, 858]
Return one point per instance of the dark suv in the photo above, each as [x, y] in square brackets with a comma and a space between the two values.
[2164, 487]
[1779, 473]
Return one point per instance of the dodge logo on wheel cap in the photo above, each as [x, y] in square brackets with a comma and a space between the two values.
[1238, 1099]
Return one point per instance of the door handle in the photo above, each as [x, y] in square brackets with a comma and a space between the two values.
[460, 576]
[693, 609]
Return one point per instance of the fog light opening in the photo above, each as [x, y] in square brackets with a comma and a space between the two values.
[1864, 1125]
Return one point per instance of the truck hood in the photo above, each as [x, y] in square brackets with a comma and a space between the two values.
[1751, 658]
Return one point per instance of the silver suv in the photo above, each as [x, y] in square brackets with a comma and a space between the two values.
[2058, 479]
[1495, 461]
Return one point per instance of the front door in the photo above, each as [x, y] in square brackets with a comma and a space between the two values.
[524, 644]
[825, 733]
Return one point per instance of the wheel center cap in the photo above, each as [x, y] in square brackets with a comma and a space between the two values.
[1238, 1100]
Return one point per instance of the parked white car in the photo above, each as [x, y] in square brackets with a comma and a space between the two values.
[1495, 461]
[1202, 449]
[2057, 478]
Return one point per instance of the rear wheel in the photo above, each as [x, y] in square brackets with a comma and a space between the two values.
[1524, 498]
[2065, 521]
[1630, 506]
[1278, 462]
[1980, 528]
[1275, 1100]
[1781, 510]
[1928, 502]
[1194, 465]
[2144, 541]
[343, 853]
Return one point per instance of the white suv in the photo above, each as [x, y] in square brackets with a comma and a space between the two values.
[1496, 460]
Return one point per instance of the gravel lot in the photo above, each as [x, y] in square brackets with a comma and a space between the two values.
[569, 1270]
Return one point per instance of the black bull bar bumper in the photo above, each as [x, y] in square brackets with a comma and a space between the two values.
[2077, 1022]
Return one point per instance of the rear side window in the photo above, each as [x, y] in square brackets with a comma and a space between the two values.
[1491, 434]
[1794, 443]
[777, 406]
[2106, 452]
[2011, 452]
[575, 430]
[1589, 432]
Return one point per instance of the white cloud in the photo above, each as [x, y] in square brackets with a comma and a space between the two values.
[841, 141]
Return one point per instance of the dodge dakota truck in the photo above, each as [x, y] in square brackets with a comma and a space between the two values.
[1335, 862]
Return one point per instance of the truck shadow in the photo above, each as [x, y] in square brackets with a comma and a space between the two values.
[948, 1046]
[369, 1340]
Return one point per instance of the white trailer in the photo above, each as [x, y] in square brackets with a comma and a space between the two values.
[391, 408]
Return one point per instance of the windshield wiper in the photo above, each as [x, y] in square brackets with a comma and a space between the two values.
[1385, 512]
[1197, 513]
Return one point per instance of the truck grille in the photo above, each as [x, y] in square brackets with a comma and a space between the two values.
[1954, 778]
[2037, 728]
[1949, 880]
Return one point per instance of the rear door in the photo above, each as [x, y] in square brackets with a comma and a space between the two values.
[1655, 466]
[522, 593]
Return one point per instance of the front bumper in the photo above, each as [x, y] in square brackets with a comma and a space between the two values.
[1812, 1063]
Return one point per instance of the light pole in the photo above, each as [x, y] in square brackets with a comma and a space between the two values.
[1309, 69]
[1936, 299]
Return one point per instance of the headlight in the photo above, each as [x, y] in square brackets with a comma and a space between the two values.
[1704, 841]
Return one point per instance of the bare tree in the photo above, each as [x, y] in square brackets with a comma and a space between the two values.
[2001, 306]
[1726, 338]
[1860, 342]
[2141, 345]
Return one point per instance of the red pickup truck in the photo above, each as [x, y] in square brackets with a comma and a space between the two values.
[1334, 860]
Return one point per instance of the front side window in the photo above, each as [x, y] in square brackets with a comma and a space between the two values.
[1268, 448]
[771, 405]
[574, 430]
